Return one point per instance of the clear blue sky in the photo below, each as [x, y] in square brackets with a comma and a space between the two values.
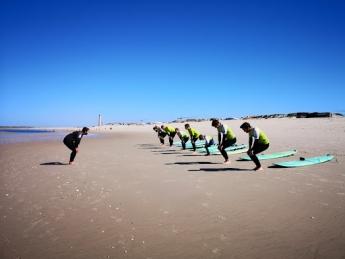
[64, 62]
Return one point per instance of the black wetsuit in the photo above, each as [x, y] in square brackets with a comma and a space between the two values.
[72, 141]
[257, 148]
[171, 138]
[183, 138]
[161, 135]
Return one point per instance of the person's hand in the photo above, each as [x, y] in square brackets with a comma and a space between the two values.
[76, 150]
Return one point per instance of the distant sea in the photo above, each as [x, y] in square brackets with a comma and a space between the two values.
[16, 135]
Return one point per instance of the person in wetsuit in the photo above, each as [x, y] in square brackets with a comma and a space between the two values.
[160, 133]
[72, 141]
[193, 134]
[258, 142]
[184, 137]
[209, 141]
[226, 138]
[170, 131]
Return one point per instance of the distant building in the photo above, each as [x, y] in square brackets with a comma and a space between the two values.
[296, 115]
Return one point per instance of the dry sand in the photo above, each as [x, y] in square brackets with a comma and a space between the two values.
[128, 197]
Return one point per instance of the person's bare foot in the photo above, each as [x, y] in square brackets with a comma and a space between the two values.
[226, 162]
[70, 163]
[258, 169]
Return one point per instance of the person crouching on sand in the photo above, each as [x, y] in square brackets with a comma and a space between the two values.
[170, 131]
[226, 138]
[183, 137]
[258, 142]
[72, 141]
[209, 141]
[193, 133]
[160, 133]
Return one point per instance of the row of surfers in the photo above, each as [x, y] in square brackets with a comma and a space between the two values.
[258, 140]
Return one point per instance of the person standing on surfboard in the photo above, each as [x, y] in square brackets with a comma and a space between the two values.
[193, 134]
[183, 137]
[258, 142]
[209, 141]
[161, 134]
[170, 131]
[72, 141]
[226, 138]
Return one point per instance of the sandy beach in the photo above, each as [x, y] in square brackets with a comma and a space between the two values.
[128, 197]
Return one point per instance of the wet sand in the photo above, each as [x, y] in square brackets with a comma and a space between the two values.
[128, 197]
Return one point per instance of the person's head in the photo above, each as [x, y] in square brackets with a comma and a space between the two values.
[246, 127]
[201, 137]
[186, 126]
[85, 130]
[215, 123]
[155, 128]
[177, 129]
[162, 127]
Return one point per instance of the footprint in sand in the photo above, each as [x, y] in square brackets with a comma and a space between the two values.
[209, 194]
[221, 217]
[60, 216]
[204, 204]
[121, 242]
[174, 230]
[223, 237]
[216, 251]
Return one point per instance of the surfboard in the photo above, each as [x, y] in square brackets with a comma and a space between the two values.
[197, 143]
[271, 156]
[306, 161]
[236, 147]
[237, 151]
[230, 150]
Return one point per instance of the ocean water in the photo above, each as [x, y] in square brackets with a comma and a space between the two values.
[8, 136]
[23, 131]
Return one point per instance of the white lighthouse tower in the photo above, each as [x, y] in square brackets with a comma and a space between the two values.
[100, 120]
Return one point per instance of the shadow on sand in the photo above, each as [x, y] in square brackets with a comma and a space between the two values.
[164, 150]
[193, 155]
[54, 163]
[219, 169]
[275, 166]
[170, 153]
[148, 146]
[193, 163]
